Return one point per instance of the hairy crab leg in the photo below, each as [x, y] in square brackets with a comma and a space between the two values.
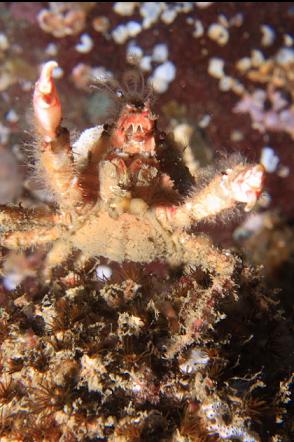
[242, 184]
[55, 154]
[58, 254]
[29, 238]
[199, 250]
[87, 165]
[19, 218]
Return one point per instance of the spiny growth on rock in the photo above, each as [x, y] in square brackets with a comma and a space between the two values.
[145, 357]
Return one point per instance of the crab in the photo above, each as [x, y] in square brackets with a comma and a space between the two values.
[113, 198]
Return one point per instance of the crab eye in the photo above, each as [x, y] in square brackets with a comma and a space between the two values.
[120, 93]
[139, 105]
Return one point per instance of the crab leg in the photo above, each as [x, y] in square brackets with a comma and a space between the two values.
[58, 254]
[55, 153]
[98, 140]
[19, 218]
[242, 184]
[199, 250]
[29, 238]
[46, 102]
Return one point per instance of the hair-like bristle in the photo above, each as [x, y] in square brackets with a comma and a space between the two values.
[131, 89]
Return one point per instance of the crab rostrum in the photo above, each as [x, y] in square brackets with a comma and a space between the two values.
[114, 198]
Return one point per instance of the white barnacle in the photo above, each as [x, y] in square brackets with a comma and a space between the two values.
[268, 35]
[195, 359]
[218, 33]
[216, 67]
[85, 45]
[269, 159]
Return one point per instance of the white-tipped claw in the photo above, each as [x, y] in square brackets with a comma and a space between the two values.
[247, 185]
[47, 108]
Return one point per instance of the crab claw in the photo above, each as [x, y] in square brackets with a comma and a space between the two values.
[246, 185]
[46, 103]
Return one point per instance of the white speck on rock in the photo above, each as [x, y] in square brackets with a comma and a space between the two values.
[150, 11]
[237, 20]
[12, 116]
[244, 64]
[236, 136]
[285, 56]
[12, 280]
[216, 67]
[51, 50]
[133, 28]
[203, 5]
[134, 52]
[269, 159]
[222, 20]
[26, 85]
[159, 85]
[145, 63]
[283, 171]
[4, 134]
[125, 8]
[168, 16]
[288, 40]
[226, 83]
[199, 29]
[204, 121]
[160, 53]
[166, 71]
[101, 24]
[162, 76]
[237, 87]
[57, 72]
[268, 35]
[264, 200]
[101, 73]
[85, 45]
[257, 58]
[185, 7]
[218, 33]
[120, 34]
[4, 43]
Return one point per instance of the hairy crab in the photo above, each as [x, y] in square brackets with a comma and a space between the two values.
[113, 198]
